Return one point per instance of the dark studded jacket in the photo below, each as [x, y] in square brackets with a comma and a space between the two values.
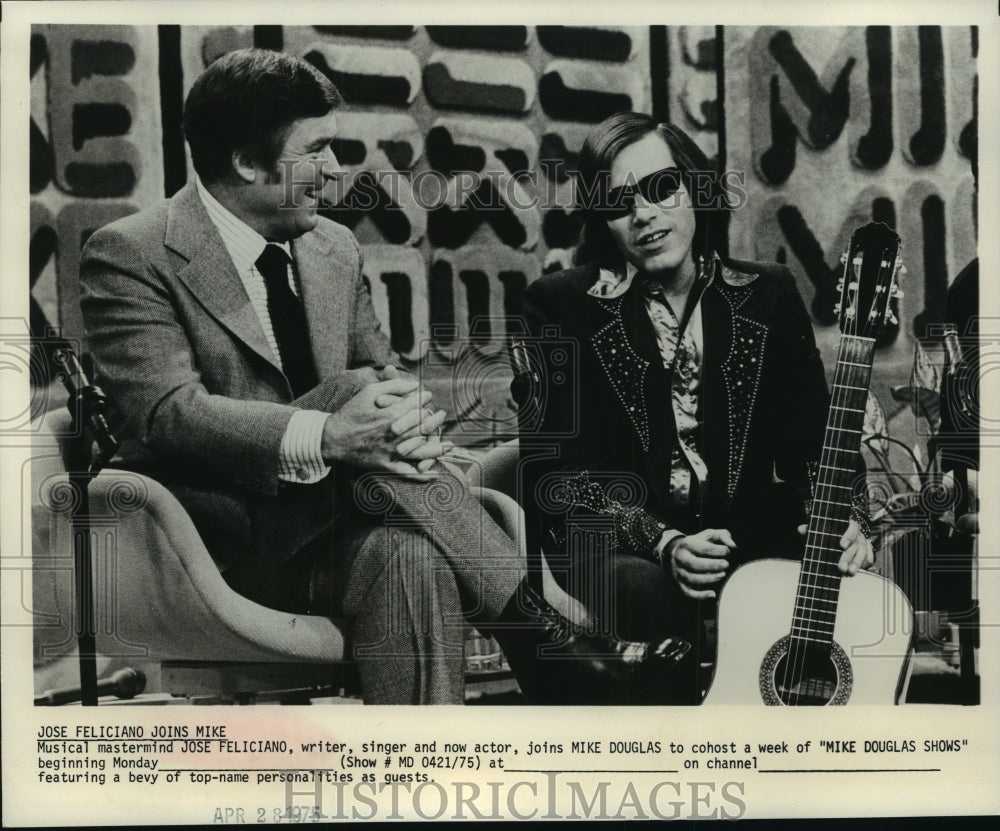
[597, 446]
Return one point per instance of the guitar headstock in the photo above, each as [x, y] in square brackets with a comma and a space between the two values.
[871, 268]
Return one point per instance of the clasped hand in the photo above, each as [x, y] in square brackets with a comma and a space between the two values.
[387, 426]
[699, 560]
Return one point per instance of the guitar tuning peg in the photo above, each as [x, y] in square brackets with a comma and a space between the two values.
[836, 310]
[902, 268]
[843, 258]
[891, 318]
[840, 284]
[896, 291]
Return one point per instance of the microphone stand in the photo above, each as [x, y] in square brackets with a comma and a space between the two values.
[87, 405]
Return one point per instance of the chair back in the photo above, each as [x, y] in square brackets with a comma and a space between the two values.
[158, 593]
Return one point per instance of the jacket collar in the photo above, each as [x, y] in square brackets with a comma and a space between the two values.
[625, 343]
[611, 284]
[210, 274]
[213, 279]
[327, 280]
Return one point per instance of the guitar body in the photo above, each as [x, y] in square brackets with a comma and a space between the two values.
[871, 640]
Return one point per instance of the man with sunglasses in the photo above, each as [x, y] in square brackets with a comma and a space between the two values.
[685, 442]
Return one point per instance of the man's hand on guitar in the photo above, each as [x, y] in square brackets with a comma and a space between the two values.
[858, 553]
[698, 561]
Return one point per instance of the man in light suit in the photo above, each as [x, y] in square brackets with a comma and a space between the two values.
[231, 327]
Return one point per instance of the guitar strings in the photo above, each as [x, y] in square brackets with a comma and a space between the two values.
[811, 571]
[812, 577]
[821, 583]
[816, 580]
[813, 581]
[805, 594]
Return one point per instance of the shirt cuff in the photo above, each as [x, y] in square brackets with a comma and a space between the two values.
[666, 538]
[301, 454]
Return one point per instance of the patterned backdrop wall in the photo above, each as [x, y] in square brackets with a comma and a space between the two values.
[836, 127]
[831, 127]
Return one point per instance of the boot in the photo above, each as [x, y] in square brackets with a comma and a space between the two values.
[557, 662]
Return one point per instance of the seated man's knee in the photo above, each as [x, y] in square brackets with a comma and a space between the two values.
[394, 498]
[402, 564]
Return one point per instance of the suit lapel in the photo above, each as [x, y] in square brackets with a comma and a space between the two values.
[658, 405]
[626, 347]
[621, 358]
[210, 274]
[716, 323]
[735, 342]
[327, 286]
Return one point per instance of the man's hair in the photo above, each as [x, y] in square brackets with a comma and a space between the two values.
[247, 101]
[603, 144]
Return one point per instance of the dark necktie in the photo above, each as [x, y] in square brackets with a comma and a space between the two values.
[288, 319]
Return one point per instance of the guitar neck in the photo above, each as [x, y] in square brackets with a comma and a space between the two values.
[819, 580]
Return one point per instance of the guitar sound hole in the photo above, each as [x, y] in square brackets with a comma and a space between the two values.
[808, 680]
[806, 676]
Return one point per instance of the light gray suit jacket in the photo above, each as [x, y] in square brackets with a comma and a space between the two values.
[199, 400]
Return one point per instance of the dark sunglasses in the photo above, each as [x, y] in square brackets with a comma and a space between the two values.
[656, 187]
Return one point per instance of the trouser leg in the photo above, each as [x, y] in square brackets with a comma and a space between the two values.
[486, 562]
[628, 597]
[634, 599]
[407, 630]
[405, 561]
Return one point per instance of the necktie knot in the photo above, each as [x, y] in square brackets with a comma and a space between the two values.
[273, 263]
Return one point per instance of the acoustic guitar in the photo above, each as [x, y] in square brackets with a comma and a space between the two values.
[802, 634]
